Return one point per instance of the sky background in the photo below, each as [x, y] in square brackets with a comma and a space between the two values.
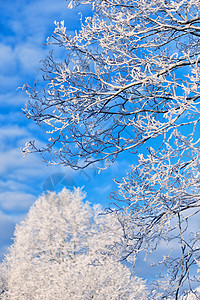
[24, 28]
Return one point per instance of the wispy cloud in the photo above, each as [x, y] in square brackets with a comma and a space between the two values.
[16, 202]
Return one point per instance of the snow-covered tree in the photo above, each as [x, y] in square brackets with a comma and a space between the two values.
[63, 250]
[131, 74]
[130, 78]
[2, 282]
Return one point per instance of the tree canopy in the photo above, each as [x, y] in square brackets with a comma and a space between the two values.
[63, 250]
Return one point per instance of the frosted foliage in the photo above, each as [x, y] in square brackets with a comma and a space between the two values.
[129, 82]
[129, 75]
[63, 251]
[160, 199]
[2, 282]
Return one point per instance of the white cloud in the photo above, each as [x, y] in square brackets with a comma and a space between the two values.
[13, 185]
[12, 132]
[11, 160]
[34, 20]
[9, 82]
[14, 98]
[30, 55]
[7, 59]
[18, 202]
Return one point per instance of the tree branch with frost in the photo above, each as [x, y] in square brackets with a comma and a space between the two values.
[116, 77]
[158, 202]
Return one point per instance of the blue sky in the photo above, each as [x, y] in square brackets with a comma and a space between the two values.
[25, 25]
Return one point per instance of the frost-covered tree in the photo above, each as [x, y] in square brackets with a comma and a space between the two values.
[63, 250]
[130, 74]
[2, 282]
[130, 79]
